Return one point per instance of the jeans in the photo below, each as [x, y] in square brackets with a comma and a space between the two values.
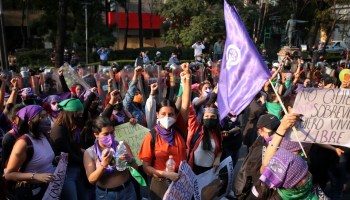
[337, 177]
[74, 187]
[128, 193]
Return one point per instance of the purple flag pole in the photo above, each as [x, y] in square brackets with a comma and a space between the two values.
[243, 72]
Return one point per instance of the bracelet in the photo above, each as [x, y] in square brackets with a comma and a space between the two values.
[272, 145]
[32, 177]
[279, 134]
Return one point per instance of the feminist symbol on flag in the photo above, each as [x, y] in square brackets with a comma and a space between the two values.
[233, 56]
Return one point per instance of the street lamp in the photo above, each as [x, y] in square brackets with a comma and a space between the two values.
[86, 3]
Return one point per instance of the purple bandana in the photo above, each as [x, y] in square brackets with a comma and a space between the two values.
[53, 98]
[284, 170]
[26, 92]
[29, 112]
[109, 169]
[290, 146]
[119, 117]
[167, 135]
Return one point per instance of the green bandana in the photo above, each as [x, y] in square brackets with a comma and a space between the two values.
[274, 109]
[138, 177]
[71, 105]
[301, 193]
[179, 94]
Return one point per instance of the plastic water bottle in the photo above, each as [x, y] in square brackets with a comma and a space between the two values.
[170, 164]
[121, 149]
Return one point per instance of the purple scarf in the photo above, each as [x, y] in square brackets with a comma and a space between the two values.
[290, 146]
[109, 169]
[284, 170]
[167, 135]
[29, 112]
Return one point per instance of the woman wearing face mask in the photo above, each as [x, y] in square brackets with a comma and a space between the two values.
[168, 138]
[204, 140]
[65, 136]
[100, 164]
[115, 110]
[198, 103]
[32, 172]
[51, 107]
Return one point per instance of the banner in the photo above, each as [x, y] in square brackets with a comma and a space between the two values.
[189, 185]
[183, 188]
[55, 187]
[133, 135]
[325, 116]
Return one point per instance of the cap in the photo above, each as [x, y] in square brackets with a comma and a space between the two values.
[158, 52]
[275, 65]
[268, 121]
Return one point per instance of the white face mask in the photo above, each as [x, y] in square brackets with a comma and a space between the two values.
[54, 107]
[233, 119]
[167, 122]
[208, 91]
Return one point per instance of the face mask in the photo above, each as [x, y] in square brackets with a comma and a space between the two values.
[79, 121]
[268, 140]
[28, 102]
[233, 119]
[119, 106]
[138, 99]
[45, 125]
[107, 140]
[167, 122]
[208, 91]
[210, 123]
[54, 107]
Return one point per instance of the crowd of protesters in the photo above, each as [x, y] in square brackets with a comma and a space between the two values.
[37, 126]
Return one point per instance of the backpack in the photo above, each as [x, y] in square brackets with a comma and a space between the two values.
[249, 172]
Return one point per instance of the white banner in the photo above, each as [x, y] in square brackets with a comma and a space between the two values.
[189, 185]
[325, 116]
[183, 188]
[55, 187]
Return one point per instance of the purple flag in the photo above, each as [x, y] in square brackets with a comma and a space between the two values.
[243, 73]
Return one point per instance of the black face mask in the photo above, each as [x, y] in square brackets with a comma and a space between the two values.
[210, 123]
[29, 102]
[80, 121]
[119, 106]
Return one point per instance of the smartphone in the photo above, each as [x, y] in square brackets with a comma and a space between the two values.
[346, 77]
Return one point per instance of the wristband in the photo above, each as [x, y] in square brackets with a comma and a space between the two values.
[279, 134]
[32, 177]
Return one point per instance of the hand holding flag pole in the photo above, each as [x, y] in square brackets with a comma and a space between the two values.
[285, 111]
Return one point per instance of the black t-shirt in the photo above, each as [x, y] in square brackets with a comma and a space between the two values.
[8, 142]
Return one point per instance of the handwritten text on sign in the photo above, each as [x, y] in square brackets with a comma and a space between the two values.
[183, 188]
[131, 134]
[325, 116]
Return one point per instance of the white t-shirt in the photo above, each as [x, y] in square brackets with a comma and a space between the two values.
[204, 158]
[198, 49]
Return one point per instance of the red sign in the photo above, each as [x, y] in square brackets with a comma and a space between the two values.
[149, 20]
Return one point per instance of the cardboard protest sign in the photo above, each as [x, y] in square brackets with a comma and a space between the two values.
[185, 186]
[224, 173]
[325, 116]
[54, 189]
[190, 185]
[133, 135]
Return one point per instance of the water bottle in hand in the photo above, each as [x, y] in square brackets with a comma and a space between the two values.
[121, 149]
[170, 164]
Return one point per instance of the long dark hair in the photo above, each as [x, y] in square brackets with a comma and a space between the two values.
[99, 123]
[66, 120]
[206, 137]
[167, 103]
[25, 128]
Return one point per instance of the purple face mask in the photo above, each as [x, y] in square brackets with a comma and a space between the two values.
[268, 140]
[107, 140]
